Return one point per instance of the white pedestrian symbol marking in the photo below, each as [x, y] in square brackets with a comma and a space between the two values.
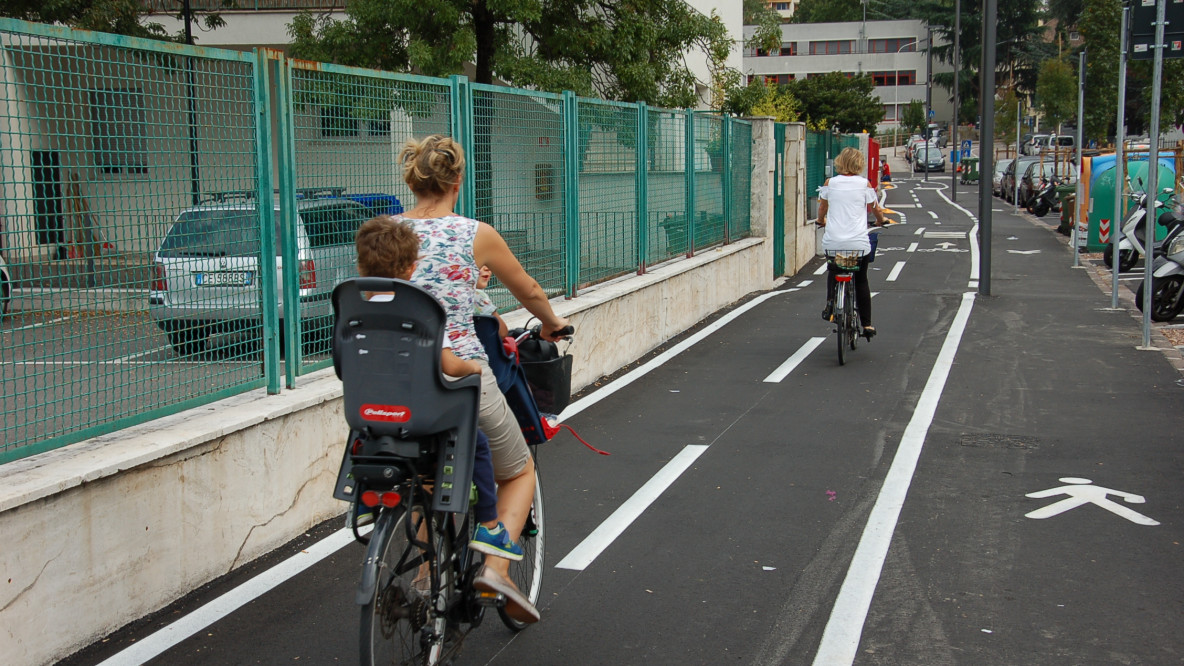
[1080, 492]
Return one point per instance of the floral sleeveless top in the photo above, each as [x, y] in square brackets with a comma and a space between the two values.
[448, 271]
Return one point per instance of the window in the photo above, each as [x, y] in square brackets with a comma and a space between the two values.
[117, 129]
[889, 112]
[892, 45]
[907, 78]
[336, 121]
[833, 47]
[893, 78]
[781, 6]
[789, 49]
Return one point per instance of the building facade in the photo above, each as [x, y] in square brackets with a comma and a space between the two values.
[892, 52]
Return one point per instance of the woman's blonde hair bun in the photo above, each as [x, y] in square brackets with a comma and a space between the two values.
[432, 165]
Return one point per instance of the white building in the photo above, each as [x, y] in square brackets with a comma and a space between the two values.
[893, 52]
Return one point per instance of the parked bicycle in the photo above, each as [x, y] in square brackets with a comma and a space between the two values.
[409, 459]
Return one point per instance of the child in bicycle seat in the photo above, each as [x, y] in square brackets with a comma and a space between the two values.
[483, 305]
[389, 248]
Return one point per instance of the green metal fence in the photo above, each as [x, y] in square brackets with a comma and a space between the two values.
[176, 217]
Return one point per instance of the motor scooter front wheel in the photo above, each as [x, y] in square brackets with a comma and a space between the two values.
[1126, 259]
[1165, 297]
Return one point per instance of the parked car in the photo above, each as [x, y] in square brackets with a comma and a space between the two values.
[1030, 179]
[5, 287]
[911, 146]
[1045, 143]
[1032, 145]
[997, 179]
[929, 156]
[206, 271]
[1008, 181]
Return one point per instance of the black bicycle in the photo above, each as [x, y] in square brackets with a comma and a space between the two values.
[409, 461]
[845, 263]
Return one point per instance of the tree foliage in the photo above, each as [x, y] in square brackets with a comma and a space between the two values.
[1006, 114]
[1056, 92]
[827, 11]
[767, 24]
[629, 50]
[912, 116]
[833, 100]
[121, 17]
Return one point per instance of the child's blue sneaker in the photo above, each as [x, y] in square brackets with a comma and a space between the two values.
[495, 542]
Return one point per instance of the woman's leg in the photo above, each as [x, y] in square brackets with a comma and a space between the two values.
[512, 465]
[863, 293]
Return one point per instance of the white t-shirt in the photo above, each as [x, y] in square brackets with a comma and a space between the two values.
[847, 198]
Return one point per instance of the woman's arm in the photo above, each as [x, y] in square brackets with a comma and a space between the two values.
[490, 249]
[874, 209]
[823, 207]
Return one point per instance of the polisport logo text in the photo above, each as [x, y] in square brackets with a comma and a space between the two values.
[391, 413]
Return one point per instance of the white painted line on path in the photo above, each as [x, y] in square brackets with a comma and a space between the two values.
[895, 272]
[821, 269]
[912, 247]
[640, 371]
[37, 325]
[615, 525]
[162, 640]
[805, 283]
[840, 640]
[932, 214]
[919, 231]
[130, 357]
[792, 362]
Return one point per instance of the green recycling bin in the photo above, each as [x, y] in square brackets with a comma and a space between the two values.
[969, 170]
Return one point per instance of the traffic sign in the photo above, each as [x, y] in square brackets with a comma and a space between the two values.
[966, 145]
[1143, 30]
[930, 113]
[966, 151]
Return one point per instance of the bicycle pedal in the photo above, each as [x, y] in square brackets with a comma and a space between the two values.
[490, 598]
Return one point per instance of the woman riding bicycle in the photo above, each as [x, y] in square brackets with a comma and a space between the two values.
[844, 202]
[452, 248]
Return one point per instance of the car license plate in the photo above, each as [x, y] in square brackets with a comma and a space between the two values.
[223, 278]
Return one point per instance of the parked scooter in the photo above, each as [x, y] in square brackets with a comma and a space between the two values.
[1046, 197]
[1167, 280]
[1133, 227]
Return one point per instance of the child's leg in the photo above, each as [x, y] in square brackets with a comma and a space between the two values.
[486, 509]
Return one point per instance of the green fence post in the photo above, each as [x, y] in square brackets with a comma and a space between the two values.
[778, 199]
[726, 179]
[291, 278]
[461, 99]
[643, 194]
[571, 191]
[690, 175]
[264, 209]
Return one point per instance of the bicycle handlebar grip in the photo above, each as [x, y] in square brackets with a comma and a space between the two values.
[566, 331]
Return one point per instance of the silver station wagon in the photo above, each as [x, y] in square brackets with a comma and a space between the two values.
[206, 272]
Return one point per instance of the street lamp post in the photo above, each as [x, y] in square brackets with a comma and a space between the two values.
[896, 91]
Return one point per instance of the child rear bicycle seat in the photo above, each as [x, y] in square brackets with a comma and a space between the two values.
[404, 415]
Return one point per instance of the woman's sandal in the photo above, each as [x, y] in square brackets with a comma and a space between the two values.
[869, 332]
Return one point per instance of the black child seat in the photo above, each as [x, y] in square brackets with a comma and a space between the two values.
[404, 416]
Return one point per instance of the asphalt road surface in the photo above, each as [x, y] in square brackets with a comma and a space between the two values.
[991, 480]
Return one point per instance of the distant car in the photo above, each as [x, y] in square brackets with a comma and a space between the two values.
[206, 277]
[1033, 145]
[1008, 182]
[911, 146]
[997, 178]
[929, 157]
[5, 287]
[1030, 180]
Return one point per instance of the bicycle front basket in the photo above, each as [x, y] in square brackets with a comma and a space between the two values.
[847, 259]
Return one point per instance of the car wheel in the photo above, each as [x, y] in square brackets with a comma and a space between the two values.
[187, 339]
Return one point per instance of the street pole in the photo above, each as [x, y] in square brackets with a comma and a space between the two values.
[1152, 187]
[987, 145]
[1119, 159]
[1080, 170]
[928, 94]
[957, 75]
[1019, 105]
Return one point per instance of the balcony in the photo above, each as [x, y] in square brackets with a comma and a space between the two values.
[174, 6]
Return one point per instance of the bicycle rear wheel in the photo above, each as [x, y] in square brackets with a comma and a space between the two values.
[852, 319]
[393, 621]
[841, 330]
[527, 573]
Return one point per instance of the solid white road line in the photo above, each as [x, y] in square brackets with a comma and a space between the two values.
[840, 639]
[792, 362]
[616, 524]
[821, 269]
[37, 325]
[158, 642]
[895, 272]
[912, 247]
[805, 283]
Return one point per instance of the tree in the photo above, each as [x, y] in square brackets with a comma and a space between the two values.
[1099, 25]
[827, 11]
[836, 101]
[767, 36]
[121, 17]
[1056, 92]
[912, 117]
[628, 50]
[1006, 114]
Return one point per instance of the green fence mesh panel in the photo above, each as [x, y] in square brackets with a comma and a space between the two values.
[741, 180]
[608, 190]
[816, 146]
[666, 185]
[518, 167]
[349, 126]
[123, 302]
[709, 193]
